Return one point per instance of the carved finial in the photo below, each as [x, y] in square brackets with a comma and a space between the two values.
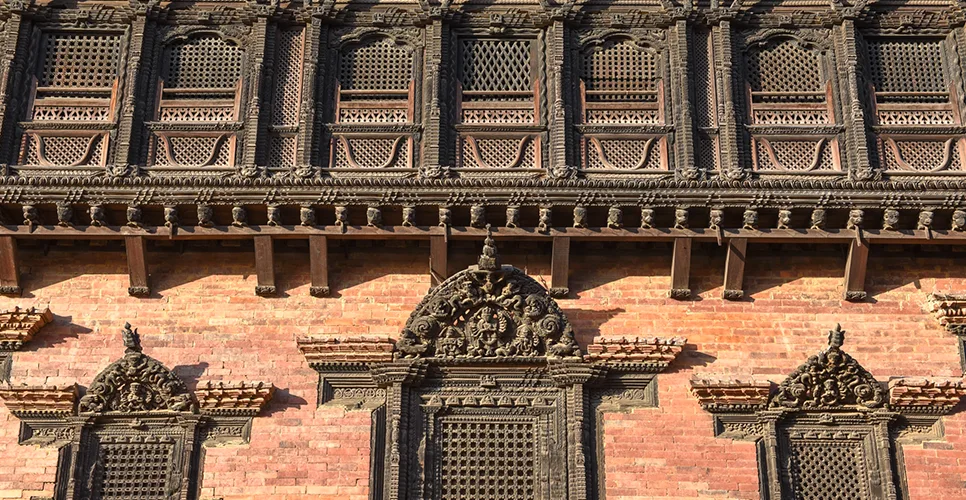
[836, 337]
[490, 259]
[132, 341]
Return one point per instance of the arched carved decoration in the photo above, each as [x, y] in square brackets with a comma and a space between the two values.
[830, 429]
[790, 92]
[375, 100]
[136, 433]
[486, 369]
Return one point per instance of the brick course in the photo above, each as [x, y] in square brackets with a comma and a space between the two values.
[205, 322]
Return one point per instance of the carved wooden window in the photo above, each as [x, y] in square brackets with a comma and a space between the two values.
[286, 100]
[198, 107]
[791, 116]
[136, 434]
[375, 96]
[911, 96]
[705, 99]
[829, 431]
[498, 99]
[486, 395]
[623, 103]
[73, 99]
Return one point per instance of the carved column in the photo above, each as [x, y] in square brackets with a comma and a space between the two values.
[256, 73]
[681, 100]
[729, 127]
[857, 140]
[12, 62]
[134, 84]
[557, 116]
[434, 95]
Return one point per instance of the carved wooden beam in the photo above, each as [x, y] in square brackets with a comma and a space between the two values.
[950, 310]
[438, 259]
[855, 268]
[924, 395]
[137, 266]
[18, 326]
[560, 267]
[35, 401]
[9, 268]
[656, 353]
[346, 350]
[681, 269]
[264, 266]
[735, 269]
[319, 265]
[716, 395]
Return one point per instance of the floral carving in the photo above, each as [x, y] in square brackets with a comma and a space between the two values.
[136, 383]
[488, 310]
[830, 379]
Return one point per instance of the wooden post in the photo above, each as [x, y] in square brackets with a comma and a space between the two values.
[855, 272]
[319, 265]
[137, 266]
[735, 269]
[681, 269]
[264, 266]
[9, 270]
[438, 260]
[560, 267]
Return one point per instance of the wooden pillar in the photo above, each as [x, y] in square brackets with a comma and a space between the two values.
[137, 266]
[557, 112]
[9, 269]
[560, 267]
[729, 127]
[856, 151]
[253, 105]
[314, 31]
[134, 85]
[264, 266]
[435, 83]
[855, 272]
[735, 269]
[438, 260]
[319, 265]
[13, 78]
[681, 269]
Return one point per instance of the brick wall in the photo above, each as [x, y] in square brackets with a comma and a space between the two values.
[205, 321]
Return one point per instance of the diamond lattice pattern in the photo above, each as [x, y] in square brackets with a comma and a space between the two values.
[784, 66]
[495, 65]
[906, 66]
[487, 460]
[826, 470]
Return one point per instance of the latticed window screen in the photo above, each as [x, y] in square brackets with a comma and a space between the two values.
[906, 65]
[379, 64]
[495, 65]
[620, 66]
[132, 471]
[79, 60]
[486, 459]
[288, 77]
[206, 62]
[784, 66]
[824, 470]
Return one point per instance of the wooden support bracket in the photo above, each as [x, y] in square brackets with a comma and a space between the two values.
[137, 266]
[9, 269]
[438, 259]
[264, 266]
[319, 265]
[855, 272]
[560, 267]
[735, 269]
[681, 270]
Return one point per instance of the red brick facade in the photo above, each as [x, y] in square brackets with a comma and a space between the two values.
[204, 322]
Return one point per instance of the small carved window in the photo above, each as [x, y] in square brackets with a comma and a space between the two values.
[287, 96]
[620, 70]
[74, 82]
[819, 468]
[487, 458]
[787, 84]
[201, 83]
[375, 82]
[495, 66]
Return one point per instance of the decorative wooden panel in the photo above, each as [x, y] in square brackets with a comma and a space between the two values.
[286, 97]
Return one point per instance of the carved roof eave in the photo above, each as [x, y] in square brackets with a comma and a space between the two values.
[27, 402]
[18, 326]
[233, 398]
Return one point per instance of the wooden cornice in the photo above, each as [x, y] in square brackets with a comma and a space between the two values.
[926, 395]
[233, 398]
[654, 350]
[732, 396]
[36, 401]
[18, 326]
[950, 310]
[346, 350]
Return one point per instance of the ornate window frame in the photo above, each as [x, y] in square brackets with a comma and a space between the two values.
[830, 401]
[137, 416]
[487, 348]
